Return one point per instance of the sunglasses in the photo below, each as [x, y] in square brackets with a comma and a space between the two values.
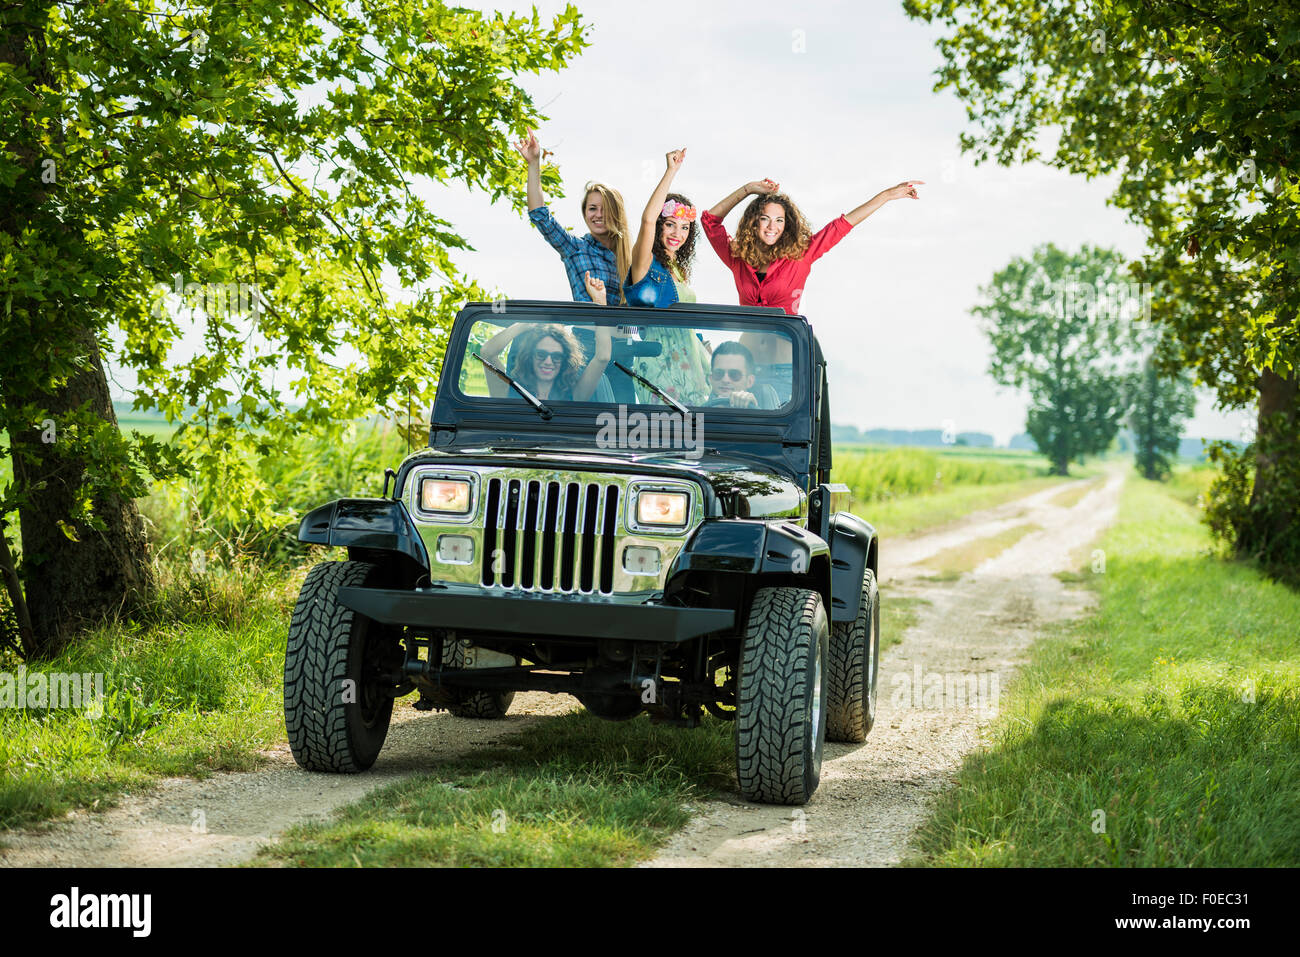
[734, 375]
[541, 355]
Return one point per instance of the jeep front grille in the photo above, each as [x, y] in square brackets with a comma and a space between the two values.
[550, 535]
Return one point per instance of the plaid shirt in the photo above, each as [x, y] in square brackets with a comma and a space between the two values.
[580, 256]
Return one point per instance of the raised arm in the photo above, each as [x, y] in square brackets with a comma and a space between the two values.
[531, 150]
[725, 205]
[643, 248]
[906, 188]
[492, 349]
[586, 385]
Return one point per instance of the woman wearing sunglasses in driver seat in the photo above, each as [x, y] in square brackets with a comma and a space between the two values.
[548, 361]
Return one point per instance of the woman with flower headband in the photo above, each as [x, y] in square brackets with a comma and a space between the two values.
[661, 267]
[604, 251]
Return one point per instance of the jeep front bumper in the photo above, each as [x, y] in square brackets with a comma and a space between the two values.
[529, 615]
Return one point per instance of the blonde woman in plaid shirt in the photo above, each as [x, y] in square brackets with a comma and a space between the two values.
[605, 252]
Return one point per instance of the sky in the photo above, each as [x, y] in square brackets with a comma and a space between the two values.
[833, 100]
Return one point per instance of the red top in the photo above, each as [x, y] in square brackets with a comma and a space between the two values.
[783, 283]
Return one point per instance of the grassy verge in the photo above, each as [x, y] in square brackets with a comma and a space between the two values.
[907, 516]
[1162, 731]
[1070, 497]
[957, 561]
[897, 614]
[196, 690]
[571, 791]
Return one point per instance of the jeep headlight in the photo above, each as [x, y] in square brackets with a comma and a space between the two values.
[663, 508]
[451, 496]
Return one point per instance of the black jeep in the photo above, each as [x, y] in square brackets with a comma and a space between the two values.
[655, 532]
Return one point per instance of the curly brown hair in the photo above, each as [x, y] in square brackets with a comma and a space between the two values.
[792, 244]
[521, 357]
[685, 254]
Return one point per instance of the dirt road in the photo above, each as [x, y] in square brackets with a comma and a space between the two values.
[973, 633]
[872, 797]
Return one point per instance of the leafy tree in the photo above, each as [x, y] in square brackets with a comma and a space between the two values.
[1192, 108]
[157, 160]
[1159, 407]
[1060, 339]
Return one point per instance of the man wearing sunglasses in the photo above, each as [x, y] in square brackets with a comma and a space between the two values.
[732, 376]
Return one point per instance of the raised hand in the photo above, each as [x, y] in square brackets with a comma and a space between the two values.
[762, 186]
[529, 148]
[905, 188]
[675, 158]
[595, 288]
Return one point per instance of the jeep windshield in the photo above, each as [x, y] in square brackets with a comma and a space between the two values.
[698, 364]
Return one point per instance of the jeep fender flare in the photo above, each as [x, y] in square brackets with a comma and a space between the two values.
[853, 547]
[369, 528]
[769, 553]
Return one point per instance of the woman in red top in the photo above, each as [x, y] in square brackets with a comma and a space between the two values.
[770, 259]
[773, 250]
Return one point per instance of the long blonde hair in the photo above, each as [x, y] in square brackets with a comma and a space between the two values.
[616, 223]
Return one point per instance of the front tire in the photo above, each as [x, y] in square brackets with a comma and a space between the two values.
[781, 694]
[855, 668]
[336, 711]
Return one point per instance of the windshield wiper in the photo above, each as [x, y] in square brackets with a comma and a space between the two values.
[655, 389]
[542, 408]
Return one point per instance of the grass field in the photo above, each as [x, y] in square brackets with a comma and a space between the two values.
[1163, 731]
[902, 490]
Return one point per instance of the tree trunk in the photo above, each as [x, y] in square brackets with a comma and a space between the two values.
[68, 583]
[71, 584]
[26, 635]
[1271, 529]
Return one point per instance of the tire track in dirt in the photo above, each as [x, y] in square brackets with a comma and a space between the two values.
[977, 629]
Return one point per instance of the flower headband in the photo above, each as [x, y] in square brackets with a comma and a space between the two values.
[675, 210]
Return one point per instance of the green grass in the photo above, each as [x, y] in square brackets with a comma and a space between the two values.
[1174, 710]
[194, 690]
[1189, 482]
[907, 516]
[882, 474]
[897, 614]
[952, 563]
[903, 490]
[570, 791]
[1070, 497]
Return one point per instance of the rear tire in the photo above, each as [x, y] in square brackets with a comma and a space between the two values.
[781, 693]
[335, 710]
[855, 668]
[463, 702]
